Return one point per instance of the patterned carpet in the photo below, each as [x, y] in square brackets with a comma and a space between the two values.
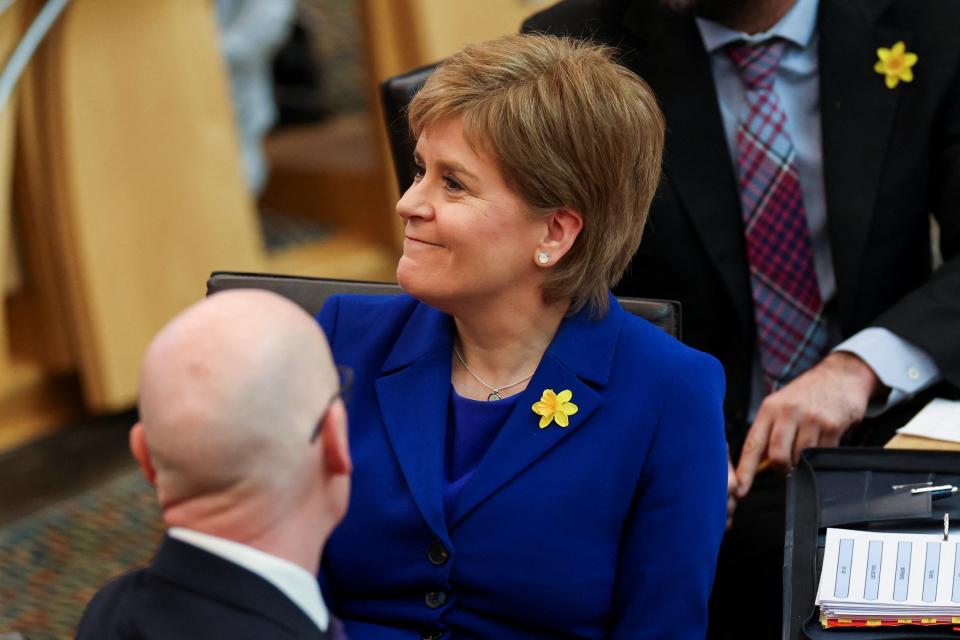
[52, 563]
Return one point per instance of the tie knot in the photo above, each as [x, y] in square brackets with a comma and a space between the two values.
[757, 63]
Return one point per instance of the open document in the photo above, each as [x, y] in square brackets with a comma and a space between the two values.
[939, 420]
[889, 579]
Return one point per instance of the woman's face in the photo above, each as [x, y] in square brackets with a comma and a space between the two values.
[467, 235]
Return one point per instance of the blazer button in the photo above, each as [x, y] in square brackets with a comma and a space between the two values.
[437, 553]
[435, 599]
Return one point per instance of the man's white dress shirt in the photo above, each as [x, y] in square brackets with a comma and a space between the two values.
[293, 580]
[899, 365]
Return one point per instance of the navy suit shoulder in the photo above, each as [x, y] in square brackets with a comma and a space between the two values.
[187, 592]
[104, 614]
[574, 18]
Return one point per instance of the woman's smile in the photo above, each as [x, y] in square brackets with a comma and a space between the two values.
[416, 242]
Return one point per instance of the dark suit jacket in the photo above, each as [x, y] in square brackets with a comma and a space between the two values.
[187, 592]
[608, 528]
[891, 157]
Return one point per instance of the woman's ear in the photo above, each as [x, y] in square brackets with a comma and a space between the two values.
[138, 447]
[563, 226]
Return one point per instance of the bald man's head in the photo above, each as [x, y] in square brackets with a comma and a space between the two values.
[230, 392]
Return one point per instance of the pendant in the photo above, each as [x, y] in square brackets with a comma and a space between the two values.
[494, 396]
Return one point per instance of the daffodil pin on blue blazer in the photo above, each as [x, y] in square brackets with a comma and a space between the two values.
[606, 527]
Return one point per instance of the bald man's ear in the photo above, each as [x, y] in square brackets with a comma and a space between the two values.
[333, 435]
[138, 447]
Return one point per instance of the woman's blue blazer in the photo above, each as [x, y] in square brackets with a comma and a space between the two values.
[608, 528]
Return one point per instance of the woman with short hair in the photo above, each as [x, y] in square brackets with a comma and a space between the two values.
[531, 461]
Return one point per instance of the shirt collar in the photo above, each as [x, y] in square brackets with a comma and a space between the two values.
[797, 26]
[293, 580]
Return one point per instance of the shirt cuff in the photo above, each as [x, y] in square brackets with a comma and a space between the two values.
[901, 366]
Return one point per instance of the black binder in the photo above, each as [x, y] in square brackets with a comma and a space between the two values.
[851, 488]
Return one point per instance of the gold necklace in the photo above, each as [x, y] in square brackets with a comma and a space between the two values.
[494, 391]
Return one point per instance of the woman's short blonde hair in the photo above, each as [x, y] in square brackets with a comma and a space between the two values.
[568, 127]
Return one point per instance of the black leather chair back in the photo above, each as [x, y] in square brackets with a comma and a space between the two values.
[395, 94]
[311, 293]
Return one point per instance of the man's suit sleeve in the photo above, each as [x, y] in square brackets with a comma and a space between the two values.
[672, 538]
[929, 317]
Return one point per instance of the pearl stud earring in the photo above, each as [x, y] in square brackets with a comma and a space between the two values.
[543, 257]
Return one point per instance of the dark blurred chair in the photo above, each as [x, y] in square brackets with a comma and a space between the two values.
[395, 94]
[311, 293]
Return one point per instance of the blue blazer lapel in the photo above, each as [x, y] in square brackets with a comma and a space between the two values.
[581, 352]
[414, 392]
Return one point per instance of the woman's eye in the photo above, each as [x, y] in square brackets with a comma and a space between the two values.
[451, 184]
[418, 174]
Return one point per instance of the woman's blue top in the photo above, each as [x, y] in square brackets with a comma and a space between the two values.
[471, 429]
[605, 528]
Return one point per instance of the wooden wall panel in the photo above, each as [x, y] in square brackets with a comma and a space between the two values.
[151, 197]
[400, 35]
[403, 34]
[10, 29]
[446, 27]
[37, 309]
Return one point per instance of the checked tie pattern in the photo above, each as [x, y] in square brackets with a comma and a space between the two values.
[791, 330]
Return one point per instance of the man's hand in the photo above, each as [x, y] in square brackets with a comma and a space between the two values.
[732, 484]
[815, 409]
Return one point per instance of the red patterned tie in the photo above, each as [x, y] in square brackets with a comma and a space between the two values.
[791, 330]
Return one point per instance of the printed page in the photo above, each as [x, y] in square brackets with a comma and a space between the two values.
[939, 420]
[890, 573]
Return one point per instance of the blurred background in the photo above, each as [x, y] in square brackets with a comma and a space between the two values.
[143, 145]
[147, 144]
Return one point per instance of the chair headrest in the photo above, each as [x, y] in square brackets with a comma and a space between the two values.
[395, 94]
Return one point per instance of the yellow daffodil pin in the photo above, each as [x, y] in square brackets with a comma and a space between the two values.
[895, 64]
[555, 407]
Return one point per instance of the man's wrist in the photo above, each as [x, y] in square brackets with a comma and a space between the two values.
[853, 367]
